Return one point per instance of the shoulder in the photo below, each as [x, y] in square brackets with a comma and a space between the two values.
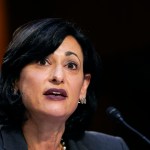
[105, 140]
[11, 139]
[100, 136]
[95, 140]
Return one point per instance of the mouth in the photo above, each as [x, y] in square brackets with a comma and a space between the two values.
[55, 94]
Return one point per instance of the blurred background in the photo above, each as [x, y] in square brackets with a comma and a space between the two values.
[120, 31]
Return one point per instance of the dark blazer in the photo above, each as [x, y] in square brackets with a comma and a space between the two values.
[14, 140]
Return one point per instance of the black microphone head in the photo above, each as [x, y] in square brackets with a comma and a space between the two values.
[114, 113]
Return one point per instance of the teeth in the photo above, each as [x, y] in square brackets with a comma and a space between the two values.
[56, 92]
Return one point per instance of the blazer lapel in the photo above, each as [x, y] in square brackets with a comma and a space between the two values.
[13, 140]
[77, 145]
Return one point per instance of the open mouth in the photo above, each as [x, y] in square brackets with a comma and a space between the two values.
[57, 94]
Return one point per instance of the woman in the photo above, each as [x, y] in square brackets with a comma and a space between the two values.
[48, 90]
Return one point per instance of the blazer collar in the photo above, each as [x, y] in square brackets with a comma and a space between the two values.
[13, 140]
[77, 145]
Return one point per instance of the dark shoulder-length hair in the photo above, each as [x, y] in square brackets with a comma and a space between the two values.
[33, 42]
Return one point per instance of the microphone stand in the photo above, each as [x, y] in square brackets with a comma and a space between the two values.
[134, 130]
[116, 115]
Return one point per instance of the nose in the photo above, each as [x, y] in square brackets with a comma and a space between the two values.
[57, 75]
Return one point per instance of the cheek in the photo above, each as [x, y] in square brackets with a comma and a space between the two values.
[29, 86]
[29, 83]
[75, 87]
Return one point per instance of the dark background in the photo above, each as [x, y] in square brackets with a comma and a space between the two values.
[120, 31]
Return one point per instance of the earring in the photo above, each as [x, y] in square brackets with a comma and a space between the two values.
[82, 101]
[15, 96]
[15, 92]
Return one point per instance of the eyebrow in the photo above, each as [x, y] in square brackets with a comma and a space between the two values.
[68, 53]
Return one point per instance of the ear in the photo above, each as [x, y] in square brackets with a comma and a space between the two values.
[86, 82]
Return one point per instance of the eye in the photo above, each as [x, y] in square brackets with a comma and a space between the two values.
[44, 62]
[72, 65]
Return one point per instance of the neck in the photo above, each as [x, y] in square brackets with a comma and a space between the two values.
[45, 136]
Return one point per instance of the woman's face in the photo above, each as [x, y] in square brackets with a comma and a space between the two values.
[52, 87]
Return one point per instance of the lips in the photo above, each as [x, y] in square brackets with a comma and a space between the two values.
[57, 94]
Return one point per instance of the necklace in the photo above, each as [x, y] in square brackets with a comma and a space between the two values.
[63, 145]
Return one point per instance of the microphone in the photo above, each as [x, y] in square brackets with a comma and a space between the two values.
[115, 114]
